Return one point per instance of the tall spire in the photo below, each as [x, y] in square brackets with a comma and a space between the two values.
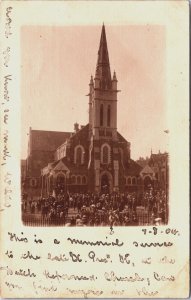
[103, 72]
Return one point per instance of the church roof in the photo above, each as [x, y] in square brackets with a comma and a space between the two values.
[159, 156]
[133, 169]
[121, 138]
[81, 133]
[42, 140]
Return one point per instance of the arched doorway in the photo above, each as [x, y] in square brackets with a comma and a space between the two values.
[60, 183]
[106, 183]
[148, 183]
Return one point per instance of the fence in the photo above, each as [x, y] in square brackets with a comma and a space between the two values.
[41, 222]
[143, 218]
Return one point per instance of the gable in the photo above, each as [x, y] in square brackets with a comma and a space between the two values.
[61, 167]
[147, 170]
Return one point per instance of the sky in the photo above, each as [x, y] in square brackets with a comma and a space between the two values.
[56, 65]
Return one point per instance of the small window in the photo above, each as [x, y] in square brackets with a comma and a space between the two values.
[129, 181]
[84, 180]
[33, 182]
[101, 115]
[134, 180]
[108, 115]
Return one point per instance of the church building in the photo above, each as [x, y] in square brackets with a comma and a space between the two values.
[96, 157]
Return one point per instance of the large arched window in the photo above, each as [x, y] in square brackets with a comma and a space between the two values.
[101, 115]
[105, 154]
[79, 155]
[108, 115]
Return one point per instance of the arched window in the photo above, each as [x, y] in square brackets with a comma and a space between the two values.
[129, 181]
[108, 115]
[134, 181]
[84, 180]
[79, 155]
[78, 179]
[105, 154]
[101, 115]
[33, 182]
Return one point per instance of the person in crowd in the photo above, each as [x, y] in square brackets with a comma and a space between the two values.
[88, 209]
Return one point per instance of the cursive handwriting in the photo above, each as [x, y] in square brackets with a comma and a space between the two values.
[136, 277]
[14, 237]
[30, 256]
[97, 243]
[85, 293]
[164, 244]
[7, 191]
[40, 287]
[58, 276]
[6, 56]
[8, 22]
[12, 286]
[145, 292]
[6, 153]
[7, 80]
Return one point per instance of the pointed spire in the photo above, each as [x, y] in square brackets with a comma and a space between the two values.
[103, 67]
[114, 76]
[91, 80]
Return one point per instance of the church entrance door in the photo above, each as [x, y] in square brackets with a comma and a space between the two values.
[106, 183]
[60, 184]
[148, 183]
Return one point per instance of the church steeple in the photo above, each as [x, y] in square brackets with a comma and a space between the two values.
[103, 73]
[103, 97]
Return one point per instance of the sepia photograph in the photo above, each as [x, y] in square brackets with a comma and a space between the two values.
[94, 126]
[94, 134]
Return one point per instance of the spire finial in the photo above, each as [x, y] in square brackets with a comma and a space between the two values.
[91, 80]
[114, 76]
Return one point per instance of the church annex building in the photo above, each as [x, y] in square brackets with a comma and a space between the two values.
[95, 157]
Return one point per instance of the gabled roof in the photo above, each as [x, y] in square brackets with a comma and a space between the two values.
[83, 132]
[133, 169]
[42, 140]
[60, 166]
[147, 170]
[121, 138]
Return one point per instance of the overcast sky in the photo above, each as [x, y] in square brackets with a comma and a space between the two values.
[57, 63]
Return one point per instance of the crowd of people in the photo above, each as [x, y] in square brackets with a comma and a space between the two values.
[116, 209]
